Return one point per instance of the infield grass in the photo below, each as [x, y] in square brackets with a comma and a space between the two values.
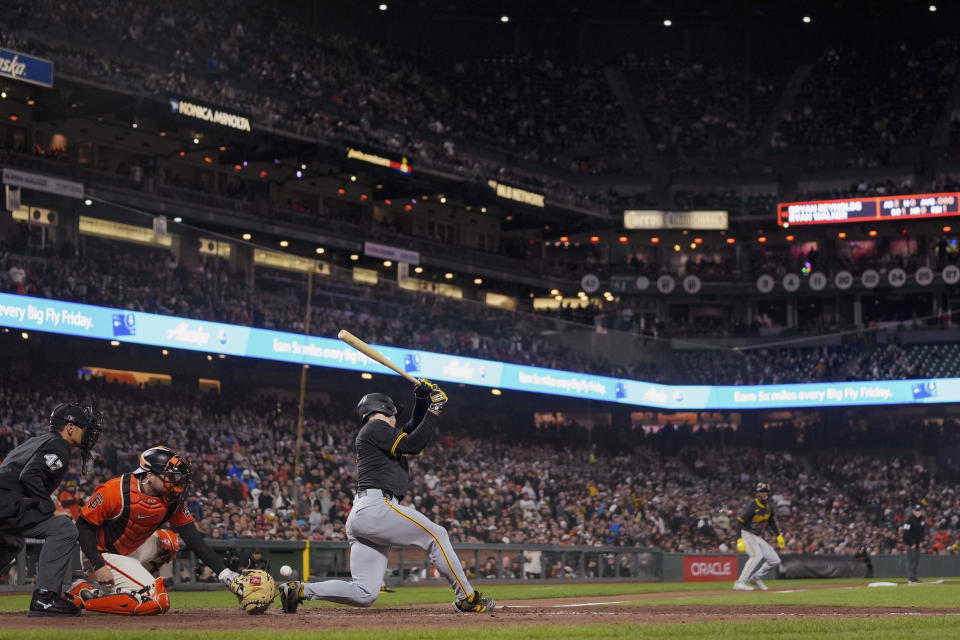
[842, 593]
[842, 629]
[788, 593]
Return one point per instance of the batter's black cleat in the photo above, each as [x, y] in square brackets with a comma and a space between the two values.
[476, 603]
[51, 603]
[291, 595]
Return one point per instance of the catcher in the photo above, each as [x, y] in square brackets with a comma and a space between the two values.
[123, 544]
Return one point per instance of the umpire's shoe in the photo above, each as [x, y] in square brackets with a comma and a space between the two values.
[51, 603]
[476, 603]
[291, 595]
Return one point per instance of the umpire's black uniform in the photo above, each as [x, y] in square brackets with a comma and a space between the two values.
[28, 475]
[914, 531]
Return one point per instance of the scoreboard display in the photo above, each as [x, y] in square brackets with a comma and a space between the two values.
[876, 209]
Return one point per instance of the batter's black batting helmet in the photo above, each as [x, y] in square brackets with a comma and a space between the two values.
[376, 403]
[165, 463]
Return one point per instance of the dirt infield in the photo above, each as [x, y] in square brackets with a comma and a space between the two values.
[519, 613]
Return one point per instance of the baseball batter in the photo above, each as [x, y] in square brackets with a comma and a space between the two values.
[122, 541]
[378, 521]
[756, 517]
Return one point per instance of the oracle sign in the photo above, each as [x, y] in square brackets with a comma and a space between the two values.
[709, 568]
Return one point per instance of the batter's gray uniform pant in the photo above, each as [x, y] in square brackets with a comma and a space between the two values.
[375, 524]
[60, 537]
[763, 559]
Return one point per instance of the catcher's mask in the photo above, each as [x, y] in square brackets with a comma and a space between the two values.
[172, 468]
[376, 403]
[84, 416]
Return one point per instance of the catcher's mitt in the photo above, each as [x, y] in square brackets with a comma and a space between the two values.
[255, 589]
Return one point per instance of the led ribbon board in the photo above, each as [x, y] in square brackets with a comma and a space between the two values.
[69, 318]
[879, 209]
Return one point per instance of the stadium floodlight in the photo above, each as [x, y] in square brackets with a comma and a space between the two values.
[932, 8]
[806, 19]
[504, 19]
[246, 236]
[88, 202]
[3, 94]
[178, 219]
[383, 7]
[668, 22]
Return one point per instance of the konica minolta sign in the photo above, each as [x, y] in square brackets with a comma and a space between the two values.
[20, 66]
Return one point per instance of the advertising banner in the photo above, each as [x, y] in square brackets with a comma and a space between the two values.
[27, 180]
[710, 568]
[70, 318]
[20, 66]
[391, 253]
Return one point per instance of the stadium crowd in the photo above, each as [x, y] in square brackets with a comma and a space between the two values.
[478, 116]
[521, 485]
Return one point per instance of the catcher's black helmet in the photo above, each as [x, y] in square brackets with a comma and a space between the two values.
[763, 487]
[84, 416]
[165, 463]
[376, 403]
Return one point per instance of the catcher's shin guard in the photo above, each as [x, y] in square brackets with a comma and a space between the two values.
[76, 588]
[123, 604]
[161, 596]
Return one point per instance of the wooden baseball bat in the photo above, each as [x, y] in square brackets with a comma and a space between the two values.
[373, 354]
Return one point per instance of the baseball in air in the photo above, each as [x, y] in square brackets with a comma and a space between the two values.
[286, 571]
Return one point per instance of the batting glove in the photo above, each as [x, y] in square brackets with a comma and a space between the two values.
[741, 545]
[423, 389]
[437, 399]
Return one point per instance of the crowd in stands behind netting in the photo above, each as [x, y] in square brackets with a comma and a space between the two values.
[536, 485]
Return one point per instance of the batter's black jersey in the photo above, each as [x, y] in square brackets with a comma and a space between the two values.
[381, 463]
[756, 517]
[36, 468]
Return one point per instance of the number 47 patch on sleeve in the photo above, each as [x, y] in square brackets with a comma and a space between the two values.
[53, 461]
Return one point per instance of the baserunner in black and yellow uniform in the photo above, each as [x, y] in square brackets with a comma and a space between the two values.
[756, 518]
